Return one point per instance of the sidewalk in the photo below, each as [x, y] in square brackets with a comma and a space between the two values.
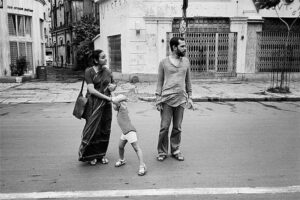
[50, 92]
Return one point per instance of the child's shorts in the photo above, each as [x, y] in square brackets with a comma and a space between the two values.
[130, 137]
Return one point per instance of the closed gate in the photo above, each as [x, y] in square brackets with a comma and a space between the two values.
[210, 54]
[270, 52]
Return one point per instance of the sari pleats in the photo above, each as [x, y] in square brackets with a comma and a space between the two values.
[96, 132]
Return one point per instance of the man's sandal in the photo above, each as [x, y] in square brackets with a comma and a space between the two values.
[142, 170]
[161, 157]
[120, 162]
[104, 160]
[178, 156]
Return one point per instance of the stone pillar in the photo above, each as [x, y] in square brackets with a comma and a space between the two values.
[254, 26]
[4, 43]
[239, 25]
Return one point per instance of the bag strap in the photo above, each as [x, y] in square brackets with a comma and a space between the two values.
[80, 93]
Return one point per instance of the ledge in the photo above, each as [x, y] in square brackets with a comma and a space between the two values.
[15, 79]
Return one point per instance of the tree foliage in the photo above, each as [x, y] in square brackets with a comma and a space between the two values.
[262, 4]
[85, 30]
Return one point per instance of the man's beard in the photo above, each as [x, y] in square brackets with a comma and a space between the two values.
[180, 53]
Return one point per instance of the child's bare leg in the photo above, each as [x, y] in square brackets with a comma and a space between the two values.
[122, 144]
[139, 152]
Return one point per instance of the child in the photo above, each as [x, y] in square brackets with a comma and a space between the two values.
[128, 135]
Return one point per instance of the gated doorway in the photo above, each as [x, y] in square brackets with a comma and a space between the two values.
[210, 54]
[270, 52]
[114, 51]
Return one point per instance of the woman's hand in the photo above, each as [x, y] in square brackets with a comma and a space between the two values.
[119, 98]
[111, 87]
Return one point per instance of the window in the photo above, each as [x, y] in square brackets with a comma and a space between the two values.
[19, 25]
[20, 49]
[115, 58]
[13, 52]
[43, 56]
[12, 25]
[41, 28]
[29, 57]
[28, 26]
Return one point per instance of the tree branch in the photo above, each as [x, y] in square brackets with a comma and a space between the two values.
[287, 25]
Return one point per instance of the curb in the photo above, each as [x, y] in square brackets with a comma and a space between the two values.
[15, 79]
[213, 99]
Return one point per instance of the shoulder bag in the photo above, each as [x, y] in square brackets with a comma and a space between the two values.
[80, 104]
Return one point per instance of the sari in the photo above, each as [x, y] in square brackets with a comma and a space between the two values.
[98, 115]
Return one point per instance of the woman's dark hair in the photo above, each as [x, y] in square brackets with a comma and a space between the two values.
[95, 56]
[175, 41]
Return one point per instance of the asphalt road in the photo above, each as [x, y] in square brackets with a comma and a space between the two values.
[226, 145]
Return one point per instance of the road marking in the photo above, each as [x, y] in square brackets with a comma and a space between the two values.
[151, 192]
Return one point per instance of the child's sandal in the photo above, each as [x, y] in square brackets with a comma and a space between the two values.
[104, 160]
[142, 170]
[120, 162]
[93, 162]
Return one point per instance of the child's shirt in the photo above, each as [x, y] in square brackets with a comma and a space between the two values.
[124, 120]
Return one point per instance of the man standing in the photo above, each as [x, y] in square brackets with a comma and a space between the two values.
[173, 94]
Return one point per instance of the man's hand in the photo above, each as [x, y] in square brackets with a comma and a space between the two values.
[158, 106]
[190, 104]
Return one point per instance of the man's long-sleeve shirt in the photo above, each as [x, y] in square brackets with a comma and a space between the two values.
[174, 82]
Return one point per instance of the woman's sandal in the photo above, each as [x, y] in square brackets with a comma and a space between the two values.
[104, 160]
[93, 162]
[178, 156]
[161, 157]
[142, 170]
[120, 162]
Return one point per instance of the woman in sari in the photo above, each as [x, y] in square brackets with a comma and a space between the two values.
[98, 113]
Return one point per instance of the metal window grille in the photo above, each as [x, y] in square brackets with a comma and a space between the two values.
[115, 59]
[42, 51]
[41, 28]
[270, 53]
[12, 25]
[28, 26]
[29, 56]
[210, 52]
[13, 52]
[21, 24]
[22, 49]
[203, 24]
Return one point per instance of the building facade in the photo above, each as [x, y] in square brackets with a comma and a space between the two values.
[64, 14]
[22, 34]
[222, 36]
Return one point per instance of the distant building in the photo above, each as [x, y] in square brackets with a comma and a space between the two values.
[64, 14]
[22, 34]
[223, 37]
[48, 37]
